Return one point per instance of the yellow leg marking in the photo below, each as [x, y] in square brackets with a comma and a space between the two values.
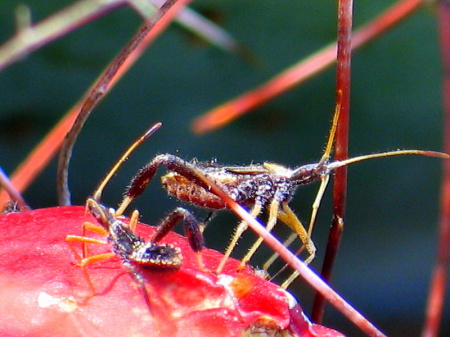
[317, 201]
[124, 204]
[95, 228]
[296, 225]
[289, 280]
[134, 220]
[298, 228]
[96, 258]
[89, 226]
[273, 211]
[201, 265]
[237, 234]
[87, 260]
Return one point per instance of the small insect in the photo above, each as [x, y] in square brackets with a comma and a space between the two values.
[16, 202]
[256, 186]
[134, 251]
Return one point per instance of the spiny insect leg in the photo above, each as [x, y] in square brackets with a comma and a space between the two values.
[273, 211]
[288, 217]
[237, 234]
[191, 229]
[140, 182]
[293, 221]
[316, 204]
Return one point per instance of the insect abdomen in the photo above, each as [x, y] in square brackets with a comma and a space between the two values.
[157, 255]
[186, 190]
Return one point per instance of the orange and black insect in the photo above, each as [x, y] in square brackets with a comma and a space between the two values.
[134, 252]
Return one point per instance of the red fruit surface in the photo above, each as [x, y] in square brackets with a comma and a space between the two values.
[44, 293]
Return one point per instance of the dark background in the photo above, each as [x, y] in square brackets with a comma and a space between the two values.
[389, 243]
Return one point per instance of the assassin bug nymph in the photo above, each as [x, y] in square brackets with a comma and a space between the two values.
[134, 251]
[256, 186]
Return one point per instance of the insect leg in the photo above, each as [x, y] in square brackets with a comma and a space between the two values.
[88, 226]
[140, 280]
[87, 260]
[134, 218]
[316, 204]
[273, 211]
[76, 238]
[293, 221]
[191, 229]
[286, 243]
[237, 234]
[207, 220]
[140, 182]
[290, 219]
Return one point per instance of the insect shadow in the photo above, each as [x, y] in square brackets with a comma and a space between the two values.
[134, 252]
[257, 186]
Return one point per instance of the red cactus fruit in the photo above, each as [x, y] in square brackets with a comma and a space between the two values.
[44, 293]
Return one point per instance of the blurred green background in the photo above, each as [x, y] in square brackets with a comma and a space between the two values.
[390, 237]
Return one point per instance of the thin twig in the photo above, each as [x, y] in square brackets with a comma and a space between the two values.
[164, 16]
[301, 71]
[344, 53]
[39, 157]
[435, 305]
[304, 271]
[46, 149]
[30, 38]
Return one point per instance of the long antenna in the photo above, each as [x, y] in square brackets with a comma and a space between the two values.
[340, 163]
[98, 192]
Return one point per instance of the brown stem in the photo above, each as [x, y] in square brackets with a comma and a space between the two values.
[159, 22]
[45, 150]
[345, 18]
[435, 305]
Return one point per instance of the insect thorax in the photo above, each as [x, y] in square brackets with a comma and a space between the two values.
[132, 248]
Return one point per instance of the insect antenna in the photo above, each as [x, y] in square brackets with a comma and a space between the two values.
[323, 169]
[98, 192]
[329, 167]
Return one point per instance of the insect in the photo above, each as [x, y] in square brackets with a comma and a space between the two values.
[256, 186]
[133, 250]
[16, 202]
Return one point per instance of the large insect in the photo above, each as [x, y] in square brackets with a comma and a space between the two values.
[256, 186]
[133, 250]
